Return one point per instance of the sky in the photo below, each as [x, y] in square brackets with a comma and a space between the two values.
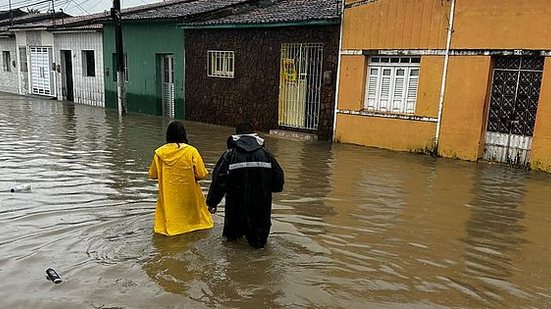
[71, 7]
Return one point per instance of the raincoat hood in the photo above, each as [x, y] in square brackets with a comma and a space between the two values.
[171, 153]
[246, 142]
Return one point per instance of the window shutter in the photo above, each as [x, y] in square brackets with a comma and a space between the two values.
[399, 89]
[413, 83]
[386, 82]
[373, 82]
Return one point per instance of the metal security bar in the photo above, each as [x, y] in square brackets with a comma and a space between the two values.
[300, 85]
[220, 63]
[41, 75]
[513, 107]
[168, 85]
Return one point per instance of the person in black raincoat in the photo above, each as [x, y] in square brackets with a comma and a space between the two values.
[247, 174]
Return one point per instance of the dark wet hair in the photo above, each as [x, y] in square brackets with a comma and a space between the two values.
[244, 128]
[176, 133]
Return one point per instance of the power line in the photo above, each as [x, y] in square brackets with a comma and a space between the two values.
[15, 5]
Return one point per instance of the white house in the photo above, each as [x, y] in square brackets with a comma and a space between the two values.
[62, 59]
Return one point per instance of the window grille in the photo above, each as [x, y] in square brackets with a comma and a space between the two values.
[6, 59]
[392, 84]
[88, 63]
[220, 64]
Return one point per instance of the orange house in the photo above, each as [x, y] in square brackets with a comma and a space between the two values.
[458, 78]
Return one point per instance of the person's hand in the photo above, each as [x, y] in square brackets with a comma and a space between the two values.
[212, 210]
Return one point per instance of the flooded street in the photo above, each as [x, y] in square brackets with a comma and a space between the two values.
[354, 228]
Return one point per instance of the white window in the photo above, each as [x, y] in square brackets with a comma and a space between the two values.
[6, 61]
[88, 63]
[392, 84]
[220, 64]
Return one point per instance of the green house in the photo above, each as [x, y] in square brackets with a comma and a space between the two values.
[154, 54]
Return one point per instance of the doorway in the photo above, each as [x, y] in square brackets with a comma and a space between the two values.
[67, 75]
[513, 106]
[167, 87]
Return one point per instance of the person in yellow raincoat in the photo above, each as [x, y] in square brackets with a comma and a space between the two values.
[181, 206]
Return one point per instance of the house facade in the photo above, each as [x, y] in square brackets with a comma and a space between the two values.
[8, 72]
[460, 79]
[62, 59]
[79, 64]
[273, 65]
[154, 54]
[8, 48]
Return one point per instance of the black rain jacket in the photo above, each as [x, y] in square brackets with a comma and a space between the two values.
[247, 174]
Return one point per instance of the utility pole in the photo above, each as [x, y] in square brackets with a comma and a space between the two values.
[121, 91]
[11, 14]
[53, 12]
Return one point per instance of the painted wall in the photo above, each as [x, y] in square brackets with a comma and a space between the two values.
[87, 90]
[502, 24]
[29, 39]
[143, 44]
[253, 93]
[421, 25]
[396, 24]
[397, 134]
[8, 79]
[541, 145]
[465, 107]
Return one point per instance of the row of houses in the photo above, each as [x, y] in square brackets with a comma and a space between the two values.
[456, 78]
[213, 61]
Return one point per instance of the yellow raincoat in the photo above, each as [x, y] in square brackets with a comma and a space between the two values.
[181, 206]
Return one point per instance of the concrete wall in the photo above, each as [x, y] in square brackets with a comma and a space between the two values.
[396, 24]
[87, 90]
[541, 145]
[29, 39]
[8, 79]
[376, 131]
[502, 24]
[480, 28]
[143, 44]
[465, 107]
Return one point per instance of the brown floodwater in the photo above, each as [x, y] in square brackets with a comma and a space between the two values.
[354, 228]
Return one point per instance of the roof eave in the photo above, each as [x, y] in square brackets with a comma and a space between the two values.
[320, 22]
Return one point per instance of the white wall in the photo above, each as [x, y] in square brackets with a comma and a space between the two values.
[87, 89]
[34, 39]
[8, 80]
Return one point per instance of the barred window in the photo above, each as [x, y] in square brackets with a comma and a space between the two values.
[6, 61]
[392, 84]
[220, 64]
[88, 63]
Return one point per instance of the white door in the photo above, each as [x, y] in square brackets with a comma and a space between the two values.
[41, 71]
[167, 62]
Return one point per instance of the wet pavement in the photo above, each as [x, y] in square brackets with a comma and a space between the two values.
[354, 228]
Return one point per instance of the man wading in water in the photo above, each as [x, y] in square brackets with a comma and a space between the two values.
[247, 174]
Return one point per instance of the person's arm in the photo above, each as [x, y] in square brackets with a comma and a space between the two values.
[153, 168]
[199, 168]
[219, 182]
[278, 177]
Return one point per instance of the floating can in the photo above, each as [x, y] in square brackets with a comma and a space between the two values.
[21, 188]
[53, 276]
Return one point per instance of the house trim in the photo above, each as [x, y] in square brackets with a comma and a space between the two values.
[387, 115]
[442, 52]
[270, 25]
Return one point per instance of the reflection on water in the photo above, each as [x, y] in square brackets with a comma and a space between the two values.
[354, 227]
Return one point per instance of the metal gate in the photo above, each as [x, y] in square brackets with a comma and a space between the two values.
[513, 106]
[300, 85]
[41, 70]
[167, 62]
